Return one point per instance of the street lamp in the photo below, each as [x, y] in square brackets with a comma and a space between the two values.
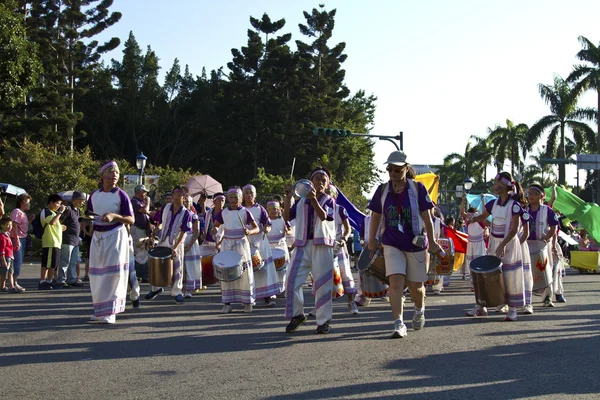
[140, 163]
[468, 184]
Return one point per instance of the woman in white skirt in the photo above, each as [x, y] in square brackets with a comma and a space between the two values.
[277, 237]
[265, 279]
[192, 265]
[235, 220]
[504, 242]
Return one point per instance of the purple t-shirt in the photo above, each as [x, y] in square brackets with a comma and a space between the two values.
[139, 220]
[396, 209]
[328, 207]
[552, 219]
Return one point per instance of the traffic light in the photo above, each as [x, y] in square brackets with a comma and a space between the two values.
[332, 132]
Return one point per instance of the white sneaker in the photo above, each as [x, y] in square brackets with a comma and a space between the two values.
[270, 303]
[477, 311]
[418, 321]
[399, 330]
[247, 308]
[353, 308]
[226, 309]
[188, 295]
[501, 309]
[437, 292]
[93, 318]
[312, 313]
[109, 319]
[512, 314]
[528, 309]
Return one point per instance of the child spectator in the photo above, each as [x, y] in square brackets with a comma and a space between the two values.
[51, 240]
[6, 256]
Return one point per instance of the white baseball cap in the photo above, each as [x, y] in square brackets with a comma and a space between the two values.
[397, 158]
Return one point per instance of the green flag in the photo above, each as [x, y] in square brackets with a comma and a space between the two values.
[587, 214]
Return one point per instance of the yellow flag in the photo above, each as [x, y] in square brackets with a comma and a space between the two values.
[432, 183]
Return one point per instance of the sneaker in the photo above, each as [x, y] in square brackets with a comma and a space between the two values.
[226, 309]
[353, 308]
[399, 330]
[437, 292]
[22, 289]
[560, 298]
[86, 278]
[295, 323]
[44, 286]
[152, 295]
[548, 302]
[247, 308]
[270, 303]
[5, 289]
[323, 329]
[93, 318]
[512, 314]
[76, 284]
[528, 309]
[179, 299]
[60, 285]
[418, 321]
[386, 299]
[312, 313]
[501, 309]
[136, 303]
[197, 291]
[187, 294]
[109, 319]
[13, 290]
[477, 311]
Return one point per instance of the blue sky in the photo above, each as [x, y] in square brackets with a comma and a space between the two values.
[442, 70]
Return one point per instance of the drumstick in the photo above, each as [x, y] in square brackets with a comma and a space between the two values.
[243, 225]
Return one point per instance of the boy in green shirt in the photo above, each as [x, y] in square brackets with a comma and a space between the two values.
[51, 240]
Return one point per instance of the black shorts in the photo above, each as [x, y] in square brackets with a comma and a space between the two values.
[50, 257]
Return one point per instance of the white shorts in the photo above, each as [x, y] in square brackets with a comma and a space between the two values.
[412, 265]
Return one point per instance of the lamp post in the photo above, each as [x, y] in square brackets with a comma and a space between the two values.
[468, 184]
[140, 163]
[458, 192]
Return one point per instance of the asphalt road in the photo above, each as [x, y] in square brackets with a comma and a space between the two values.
[169, 351]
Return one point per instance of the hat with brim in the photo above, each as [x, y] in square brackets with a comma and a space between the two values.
[140, 188]
[78, 196]
[397, 158]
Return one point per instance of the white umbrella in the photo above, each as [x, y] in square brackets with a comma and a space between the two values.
[203, 184]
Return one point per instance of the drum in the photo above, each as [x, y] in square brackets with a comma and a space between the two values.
[228, 266]
[540, 268]
[257, 261]
[375, 265]
[206, 259]
[444, 265]
[279, 259]
[160, 266]
[488, 281]
[338, 288]
[371, 287]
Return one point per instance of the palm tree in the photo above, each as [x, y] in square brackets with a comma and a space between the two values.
[509, 143]
[483, 152]
[565, 114]
[539, 171]
[587, 77]
[457, 167]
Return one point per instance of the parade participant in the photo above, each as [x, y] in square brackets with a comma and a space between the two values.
[276, 237]
[437, 284]
[542, 227]
[176, 223]
[236, 220]
[342, 233]
[266, 283]
[207, 237]
[134, 285]
[20, 233]
[558, 266]
[476, 241]
[192, 265]
[314, 241]
[522, 235]
[504, 243]
[400, 208]
[109, 247]
[141, 228]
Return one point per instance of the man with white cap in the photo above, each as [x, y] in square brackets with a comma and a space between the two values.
[70, 243]
[140, 228]
[401, 218]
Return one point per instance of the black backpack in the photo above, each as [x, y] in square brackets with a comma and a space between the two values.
[36, 225]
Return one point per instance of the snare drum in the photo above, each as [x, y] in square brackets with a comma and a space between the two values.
[540, 268]
[444, 265]
[488, 281]
[279, 259]
[228, 266]
[374, 265]
[206, 259]
[257, 261]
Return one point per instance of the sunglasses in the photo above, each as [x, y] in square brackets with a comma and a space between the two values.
[395, 169]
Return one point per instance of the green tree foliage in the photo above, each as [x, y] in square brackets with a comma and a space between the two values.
[509, 144]
[19, 65]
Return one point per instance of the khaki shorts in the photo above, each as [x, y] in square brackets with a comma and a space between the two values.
[412, 265]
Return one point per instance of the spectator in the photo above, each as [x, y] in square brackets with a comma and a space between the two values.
[141, 229]
[6, 256]
[67, 273]
[51, 240]
[20, 232]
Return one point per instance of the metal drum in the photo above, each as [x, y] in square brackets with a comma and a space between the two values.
[303, 187]
[488, 281]
[445, 264]
[373, 265]
[206, 259]
[540, 265]
[228, 266]
[279, 259]
[160, 266]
